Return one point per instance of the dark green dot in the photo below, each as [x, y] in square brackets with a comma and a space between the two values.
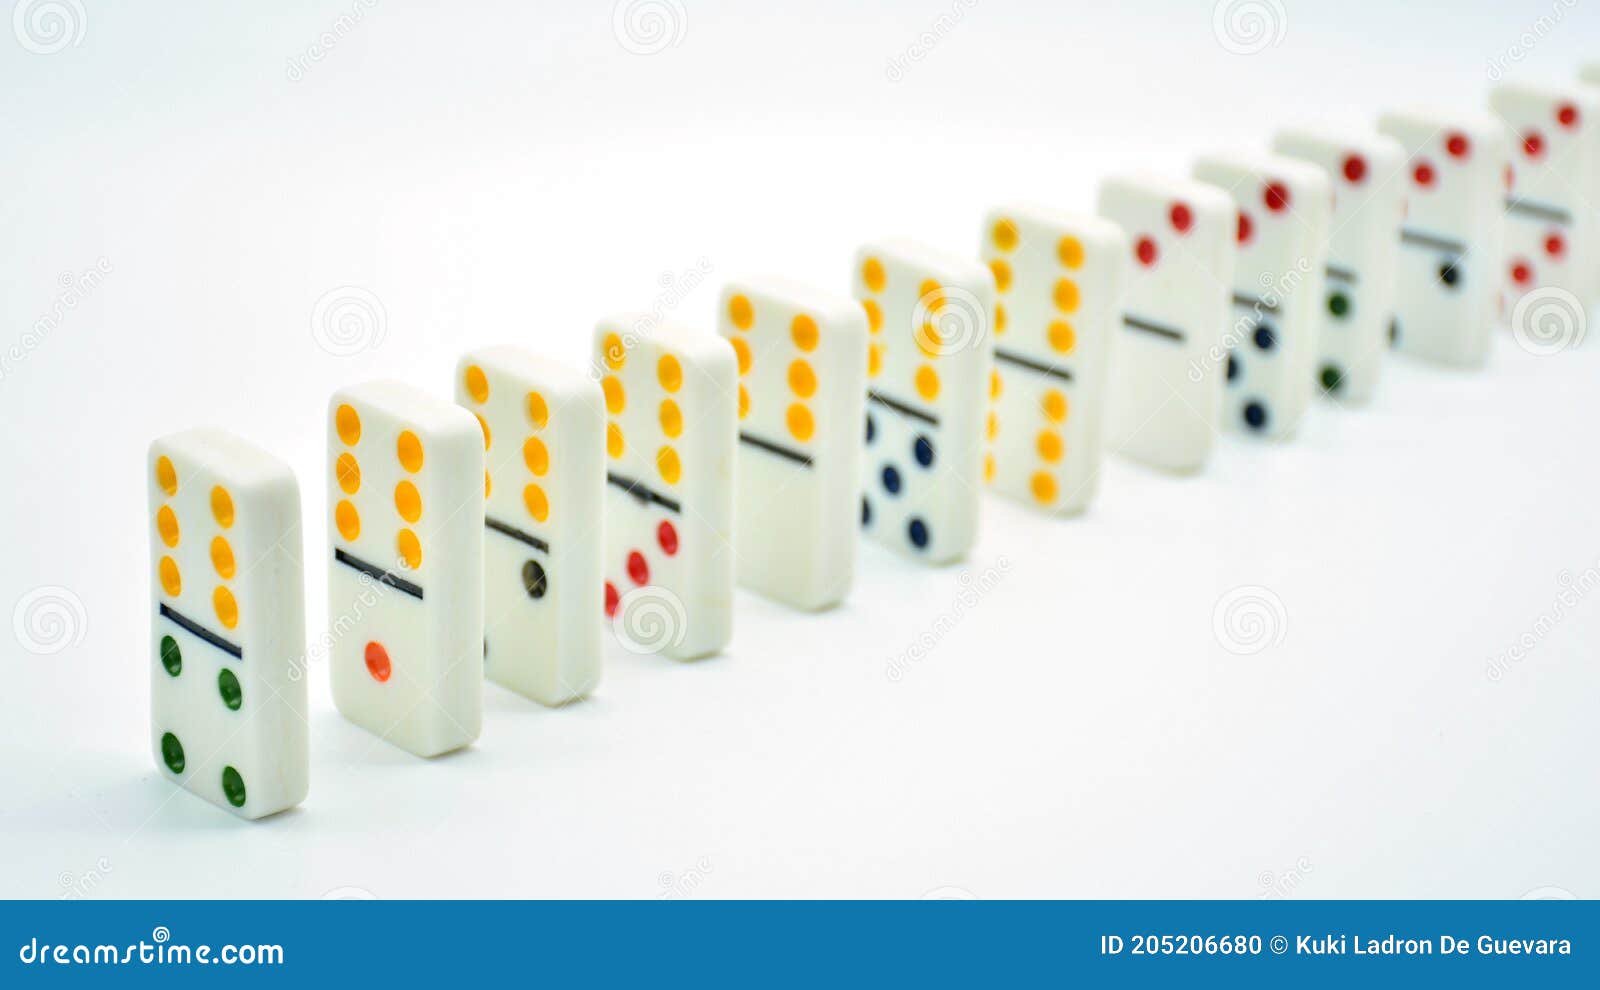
[1339, 304]
[1332, 378]
[172, 752]
[171, 656]
[233, 786]
[228, 685]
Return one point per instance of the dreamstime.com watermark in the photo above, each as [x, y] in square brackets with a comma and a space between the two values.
[675, 288]
[1528, 39]
[76, 886]
[328, 40]
[1570, 591]
[369, 592]
[1263, 309]
[159, 951]
[972, 591]
[649, 27]
[45, 27]
[675, 886]
[1548, 320]
[1249, 27]
[1277, 886]
[70, 292]
[348, 320]
[49, 619]
[1249, 619]
[926, 41]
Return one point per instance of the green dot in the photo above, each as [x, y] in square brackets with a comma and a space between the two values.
[1339, 304]
[233, 786]
[1332, 378]
[171, 656]
[228, 686]
[172, 752]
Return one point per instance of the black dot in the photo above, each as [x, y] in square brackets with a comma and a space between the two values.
[1394, 332]
[1233, 367]
[1255, 415]
[866, 511]
[891, 480]
[1332, 378]
[872, 429]
[1449, 274]
[486, 650]
[1265, 337]
[1339, 304]
[918, 531]
[923, 449]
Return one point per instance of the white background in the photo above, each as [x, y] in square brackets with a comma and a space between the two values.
[509, 172]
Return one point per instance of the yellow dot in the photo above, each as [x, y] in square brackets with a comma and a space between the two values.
[1050, 446]
[1044, 487]
[408, 501]
[410, 549]
[488, 485]
[614, 445]
[873, 274]
[874, 314]
[931, 295]
[1066, 295]
[615, 399]
[927, 382]
[671, 418]
[741, 350]
[874, 360]
[1062, 337]
[538, 411]
[222, 506]
[348, 471]
[222, 558]
[929, 340]
[166, 475]
[994, 384]
[170, 580]
[1070, 251]
[612, 351]
[535, 456]
[1055, 406]
[484, 425]
[409, 449]
[1005, 235]
[669, 372]
[227, 608]
[802, 379]
[1002, 274]
[537, 502]
[801, 426]
[999, 319]
[988, 467]
[744, 402]
[347, 519]
[348, 424]
[741, 312]
[477, 384]
[667, 464]
[992, 428]
[804, 332]
[167, 525]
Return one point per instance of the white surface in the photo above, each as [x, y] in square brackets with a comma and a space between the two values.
[1075, 731]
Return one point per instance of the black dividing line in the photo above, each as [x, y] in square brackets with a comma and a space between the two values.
[520, 536]
[373, 570]
[201, 631]
[1437, 243]
[642, 492]
[804, 460]
[1342, 274]
[1011, 357]
[1148, 326]
[1540, 210]
[1240, 299]
[902, 408]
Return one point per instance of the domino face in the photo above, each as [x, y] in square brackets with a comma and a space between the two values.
[1283, 208]
[227, 688]
[1368, 207]
[1590, 79]
[802, 384]
[405, 580]
[1060, 279]
[544, 427]
[1166, 379]
[1447, 282]
[931, 317]
[1550, 209]
[671, 399]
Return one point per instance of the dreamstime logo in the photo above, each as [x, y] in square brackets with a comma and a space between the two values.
[926, 41]
[649, 620]
[45, 27]
[1572, 590]
[327, 40]
[676, 885]
[1248, 27]
[160, 935]
[349, 894]
[949, 320]
[1276, 886]
[1529, 38]
[1548, 320]
[1274, 290]
[72, 290]
[1249, 619]
[949, 894]
[349, 320]
[49, 619]
[971, 591]
[675, 287]
[648, 27]
[79, 885]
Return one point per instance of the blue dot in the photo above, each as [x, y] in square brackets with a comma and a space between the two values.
[918, 531]
[866, 511]
[872, 429]
[1265, 337]
[1255, 415]
[923, 449]
[891, 480]
[1233, 367]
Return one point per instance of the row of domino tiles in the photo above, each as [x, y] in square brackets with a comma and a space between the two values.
[462, 537]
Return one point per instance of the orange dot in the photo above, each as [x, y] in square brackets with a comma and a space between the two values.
[484, 425]
[409, 449]
[801, 425]
[477, 384]
[999, 319]
[873, 274]
[1055, 406]
[931, 295]
[535, 456]
[166, 475]
[410, 549]
[988, 467]
[744, 402]
[874, 314]
[167, 525]
[1050, 446]
[874, 360]
[741, 312]
[671, 418]
[1070, 251]
[1044, 487]
[408, 501]
[741, 350]
[222, 558]
[1062, 337]
[802, 379]
[669, 372]
[614, 445]
[667, 463]
[348, 471]
[347, 519]
[1066, 295]
[1002, 274]
[616, 399]
[804, 332]
[171, 581]
[348, 424]
[927, 382]
[537, 502]
[994, 384]
[538, 410]
[222, 506]
[227, 609]
[612, 352]
[1005, 235]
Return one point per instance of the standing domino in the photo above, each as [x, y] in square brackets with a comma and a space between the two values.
[802, 383]
[227, 688]
[544, 427]
[1282, 231]
[928, 366]
[671, 395]
[1368, 207]
[1166, 379]
[1450, 245]
[405, 578]
[1060, 280]
[1590, 78]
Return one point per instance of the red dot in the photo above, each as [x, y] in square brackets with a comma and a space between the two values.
[638, 569]
[1276, 196]
[1423, 174]
[1145, 251]
[1182, 217]
[1521, 273]
[611, 600]
[1555, 246]
[1458, 146]
[1355, 168]
[1533, 144]
[667, 537]
[1567, 115]
[1245, 227]
[378, 662]
[1511, 177]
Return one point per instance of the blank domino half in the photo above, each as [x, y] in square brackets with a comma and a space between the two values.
[802, 358]
[1283, 209]
[228, 688]
[405, 578]
[932, 317]
[1447, 279]
[1060, 281]
[1168, 362]
[544, 425]
[671, 397]
[1369, 196]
